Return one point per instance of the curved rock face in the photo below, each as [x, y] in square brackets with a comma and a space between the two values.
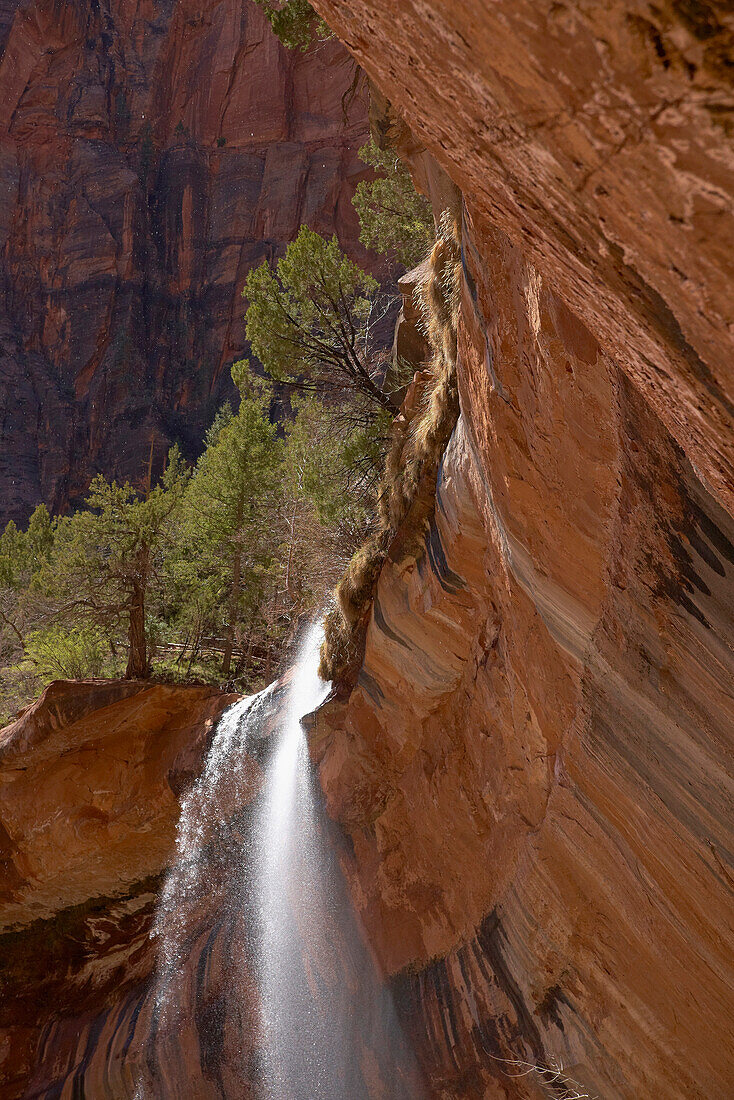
[535, 767]
[599, 138]
[91, 778]
[150, 154]
[134, 969]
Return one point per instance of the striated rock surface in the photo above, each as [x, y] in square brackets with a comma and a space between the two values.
[535, 767]
[91, 779]
[534, 771]
[150, 154]
[130, 969]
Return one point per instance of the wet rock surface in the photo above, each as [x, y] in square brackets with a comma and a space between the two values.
[533, 773]
[91, 777]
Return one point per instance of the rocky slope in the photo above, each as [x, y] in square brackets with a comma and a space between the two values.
[150, 154]
[535, 767]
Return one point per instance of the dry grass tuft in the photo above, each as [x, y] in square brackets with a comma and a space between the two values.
[420, 436]
[354, 590]
[552, 1078]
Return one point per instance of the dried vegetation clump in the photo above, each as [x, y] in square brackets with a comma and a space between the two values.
[420, 435]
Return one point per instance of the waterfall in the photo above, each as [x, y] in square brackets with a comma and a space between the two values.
[262, 965]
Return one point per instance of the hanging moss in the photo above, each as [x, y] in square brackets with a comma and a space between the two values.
[407, 495]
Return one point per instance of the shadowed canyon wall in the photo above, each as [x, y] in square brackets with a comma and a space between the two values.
[150, 154]
[535, 766]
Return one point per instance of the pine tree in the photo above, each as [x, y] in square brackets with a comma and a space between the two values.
[230, 526]
[294, 22]
[393, 217]
[23, 554]
[311, 322]
[107, 558]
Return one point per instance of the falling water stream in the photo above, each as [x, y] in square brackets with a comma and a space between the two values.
[257, 868]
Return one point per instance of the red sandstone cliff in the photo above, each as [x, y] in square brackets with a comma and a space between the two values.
[150, 153]
[535, 767]
[91, 776]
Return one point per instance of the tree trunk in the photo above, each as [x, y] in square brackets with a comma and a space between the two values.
[234, 604]
[138, 666]
[137, 657]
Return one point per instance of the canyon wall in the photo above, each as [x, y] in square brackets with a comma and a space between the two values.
[91, 777]
[130, 967]
[150, 153]
[533, 774]
[534, 769]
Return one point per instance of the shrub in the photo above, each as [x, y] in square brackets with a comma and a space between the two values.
[77, 653]
[294, 22]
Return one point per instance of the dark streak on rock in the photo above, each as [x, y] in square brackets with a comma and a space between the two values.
[450, 581]
[382, 624]
[371, 686]
[488, 937]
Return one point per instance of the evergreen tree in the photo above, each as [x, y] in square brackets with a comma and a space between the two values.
[294, 22]
[329, 499]
[311, 322]
[107, 557]
[231, 521]
[22, 556]
[393, 217]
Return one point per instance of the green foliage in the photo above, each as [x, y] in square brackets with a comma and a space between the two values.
[39, 537]
[328, 499]
[334, 464]
[77, 653]
[23, 555]
[13, 556]
[208, 571]
[23, 552]
[227, 553]
[310, 321]
[294, 22]
[393, 217]
[106, 558]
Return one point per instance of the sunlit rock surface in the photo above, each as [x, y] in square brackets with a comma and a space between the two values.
[535, 768]
[173, 918]
[91, 779]
[533, 773]
[150, 154]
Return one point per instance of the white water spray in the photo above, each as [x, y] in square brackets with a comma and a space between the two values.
[298, 985]
[205, 813]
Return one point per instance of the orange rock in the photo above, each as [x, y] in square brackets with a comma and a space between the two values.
[535, 765]
[91, 778]
[92, 774]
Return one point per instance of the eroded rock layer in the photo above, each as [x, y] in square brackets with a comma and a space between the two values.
[133, 969]
[535, 767]
[91, 778]
[150, 154]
